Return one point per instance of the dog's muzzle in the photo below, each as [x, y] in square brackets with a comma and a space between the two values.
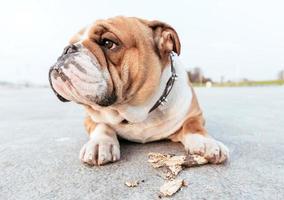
[57, 71]
[77, 76]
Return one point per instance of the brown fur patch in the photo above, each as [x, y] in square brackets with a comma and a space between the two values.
[194, 123]
[89, 124]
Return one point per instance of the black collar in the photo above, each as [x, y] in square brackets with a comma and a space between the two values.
[163, 99]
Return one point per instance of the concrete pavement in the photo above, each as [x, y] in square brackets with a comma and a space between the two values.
[40, 139]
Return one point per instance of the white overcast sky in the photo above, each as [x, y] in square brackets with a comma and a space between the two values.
[231, 38]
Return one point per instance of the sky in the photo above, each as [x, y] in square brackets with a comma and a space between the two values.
[234, 39]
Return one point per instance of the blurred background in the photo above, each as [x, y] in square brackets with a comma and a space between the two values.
[223, 41]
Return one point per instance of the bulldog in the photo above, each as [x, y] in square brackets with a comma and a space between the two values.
[127, 74]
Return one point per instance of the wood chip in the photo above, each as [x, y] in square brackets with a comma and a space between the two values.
[172, 164]
[171, 187]
[132, 183]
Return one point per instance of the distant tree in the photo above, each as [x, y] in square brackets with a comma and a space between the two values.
[196, 76]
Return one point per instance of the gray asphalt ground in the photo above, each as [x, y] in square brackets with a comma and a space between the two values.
[40, 139]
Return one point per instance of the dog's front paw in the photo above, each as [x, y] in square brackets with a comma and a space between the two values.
[99, 152]
[213, 150]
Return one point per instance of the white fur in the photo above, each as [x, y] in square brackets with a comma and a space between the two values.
[102, 147]
[108, 116]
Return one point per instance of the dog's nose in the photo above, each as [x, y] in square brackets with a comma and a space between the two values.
[70, 49]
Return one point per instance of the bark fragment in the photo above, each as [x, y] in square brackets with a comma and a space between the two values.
[172, 165]
[171, 187]
[132, 183]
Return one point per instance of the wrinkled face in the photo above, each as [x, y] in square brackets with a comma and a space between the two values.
[77, 76]
[114, 61]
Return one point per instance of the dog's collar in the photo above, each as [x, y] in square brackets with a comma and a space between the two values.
[169, 86]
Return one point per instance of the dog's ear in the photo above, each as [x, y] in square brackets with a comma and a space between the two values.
[165, 37]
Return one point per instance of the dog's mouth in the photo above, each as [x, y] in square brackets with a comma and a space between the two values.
[77, 76]
[61, 98]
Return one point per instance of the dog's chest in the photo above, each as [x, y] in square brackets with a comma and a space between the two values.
[139, 126]
[156, 127]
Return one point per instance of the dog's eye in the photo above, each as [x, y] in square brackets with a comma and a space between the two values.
[108, 44]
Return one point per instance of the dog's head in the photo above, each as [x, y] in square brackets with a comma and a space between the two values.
[114, 61]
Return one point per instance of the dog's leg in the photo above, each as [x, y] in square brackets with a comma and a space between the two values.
[103, 145]
[195, 139]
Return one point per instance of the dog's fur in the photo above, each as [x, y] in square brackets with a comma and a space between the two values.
[119, 85]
